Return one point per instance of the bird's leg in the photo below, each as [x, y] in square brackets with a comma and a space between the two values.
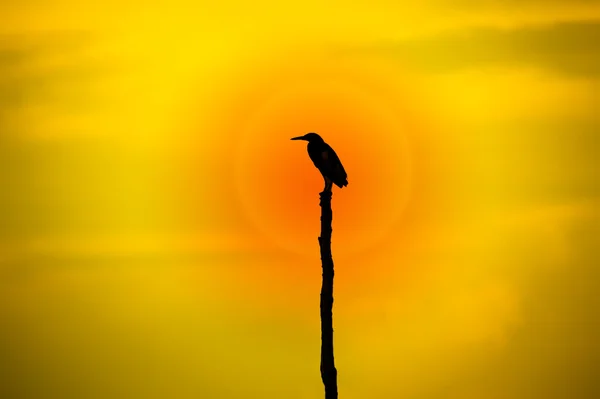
[328, 184]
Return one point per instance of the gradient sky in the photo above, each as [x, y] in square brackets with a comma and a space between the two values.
[158, 229]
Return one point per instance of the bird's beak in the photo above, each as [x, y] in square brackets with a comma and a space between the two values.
[298, 138]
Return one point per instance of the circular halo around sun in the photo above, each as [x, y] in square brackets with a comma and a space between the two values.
[278, 185]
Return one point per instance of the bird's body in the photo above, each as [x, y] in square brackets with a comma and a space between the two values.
[326, 160]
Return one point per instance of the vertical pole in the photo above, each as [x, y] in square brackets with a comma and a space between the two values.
[328, 370]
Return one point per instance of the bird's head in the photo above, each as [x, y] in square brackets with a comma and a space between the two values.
[310, 137]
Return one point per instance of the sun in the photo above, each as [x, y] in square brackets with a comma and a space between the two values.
[278, 185]
[266, 190]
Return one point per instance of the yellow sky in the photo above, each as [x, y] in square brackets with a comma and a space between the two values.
[129, 267]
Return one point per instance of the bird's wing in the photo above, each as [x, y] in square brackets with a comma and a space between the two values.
[323, 160]
[318, 157]
[328, 163]
[334, 161]
[332, 166]
[338, 174]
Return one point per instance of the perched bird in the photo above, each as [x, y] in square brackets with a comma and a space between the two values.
[326, 160]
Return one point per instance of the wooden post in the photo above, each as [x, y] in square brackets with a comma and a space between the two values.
[328, 370]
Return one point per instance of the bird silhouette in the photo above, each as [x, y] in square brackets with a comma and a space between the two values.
[326, 160]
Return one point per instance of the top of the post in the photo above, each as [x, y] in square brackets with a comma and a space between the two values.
[325, 194]
[325, 197]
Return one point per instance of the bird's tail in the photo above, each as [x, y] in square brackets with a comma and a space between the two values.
[341, 184]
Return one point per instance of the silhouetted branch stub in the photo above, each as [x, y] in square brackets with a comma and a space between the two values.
[328, 370]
